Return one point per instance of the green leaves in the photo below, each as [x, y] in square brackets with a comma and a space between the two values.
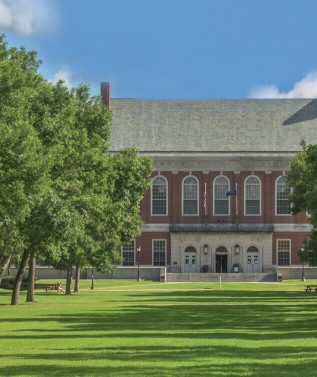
[62, 195]
[303, 179]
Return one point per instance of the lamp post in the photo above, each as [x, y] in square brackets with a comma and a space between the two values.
[138, 249]
[303, 272]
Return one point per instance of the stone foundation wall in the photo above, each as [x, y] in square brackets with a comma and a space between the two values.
[297, 272]
[147, 273]
[215, 277]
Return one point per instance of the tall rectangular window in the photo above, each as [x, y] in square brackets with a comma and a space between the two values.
[283, 252]
[128, 252]
[159, 252]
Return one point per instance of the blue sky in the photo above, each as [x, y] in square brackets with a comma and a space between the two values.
[172, 48]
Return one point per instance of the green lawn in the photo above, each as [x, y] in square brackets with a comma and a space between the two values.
[129, 328]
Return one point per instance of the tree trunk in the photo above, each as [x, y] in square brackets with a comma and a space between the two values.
[69, 281]
[77, 279]
[4, 263]
[92, 279]
[19, 278]
[31, 278]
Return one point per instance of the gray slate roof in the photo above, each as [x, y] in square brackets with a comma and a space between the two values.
[269, 125]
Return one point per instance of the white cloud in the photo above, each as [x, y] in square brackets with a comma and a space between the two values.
[27, 17]
[305, 88]
[65, 75]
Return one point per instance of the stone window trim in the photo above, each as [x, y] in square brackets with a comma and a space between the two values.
[245, 195]
[197, 196]
[276, 199]
[166, 188]
[161, 240]
[214, 196]
[128, 249]
[283, 245]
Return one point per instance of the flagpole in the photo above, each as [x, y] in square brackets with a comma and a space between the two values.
[205, 199]
[237, 209]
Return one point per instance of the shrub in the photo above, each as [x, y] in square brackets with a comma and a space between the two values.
[8, 282]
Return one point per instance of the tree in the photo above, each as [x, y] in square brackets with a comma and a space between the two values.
[120, 222]
[106, 191]
[22, 163]
[63, 196]
[303, 180]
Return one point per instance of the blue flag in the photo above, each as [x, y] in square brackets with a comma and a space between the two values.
[232, 192]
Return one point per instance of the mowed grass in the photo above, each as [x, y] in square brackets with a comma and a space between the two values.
[129, 328]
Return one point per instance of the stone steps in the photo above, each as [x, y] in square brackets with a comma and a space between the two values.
[201, 277]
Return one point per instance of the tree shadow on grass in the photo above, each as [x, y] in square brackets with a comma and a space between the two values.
[196, 319]
[169, 353]
[225, 295]
[218, 319]
[153, 361]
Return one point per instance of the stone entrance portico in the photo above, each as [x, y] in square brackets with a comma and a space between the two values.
[194, 252]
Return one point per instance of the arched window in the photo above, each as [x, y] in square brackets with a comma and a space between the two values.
[221, 250]
[221, 199]
[190, 249]
[282, 192]
[190, 196]
[252, 196]
[252, 249]
[159, 196]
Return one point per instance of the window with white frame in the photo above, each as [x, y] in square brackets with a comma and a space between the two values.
[159, 196]
[190, 196]
[252, 195]
[282, 192]
[128, 252]
[283, 252]
[221, 199]
[159, 252]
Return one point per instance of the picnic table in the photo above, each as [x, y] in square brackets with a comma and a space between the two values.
[311, 287]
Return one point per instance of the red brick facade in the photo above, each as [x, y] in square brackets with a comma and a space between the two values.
[174, 212]
[267, 216]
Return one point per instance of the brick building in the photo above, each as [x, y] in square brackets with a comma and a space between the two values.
[219, 196]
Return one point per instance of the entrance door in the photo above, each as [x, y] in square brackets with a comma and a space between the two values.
[221, 260]
[190, 261]
[252, 259]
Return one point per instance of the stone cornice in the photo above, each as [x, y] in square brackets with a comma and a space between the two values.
[226, 228]
[222, 163]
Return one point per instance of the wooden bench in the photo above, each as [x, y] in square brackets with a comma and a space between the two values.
[311, 287]
[57, 287]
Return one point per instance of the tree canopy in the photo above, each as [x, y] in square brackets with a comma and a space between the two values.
[63, 196]
[303, 180]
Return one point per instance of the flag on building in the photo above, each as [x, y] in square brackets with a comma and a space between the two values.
[232, 192]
